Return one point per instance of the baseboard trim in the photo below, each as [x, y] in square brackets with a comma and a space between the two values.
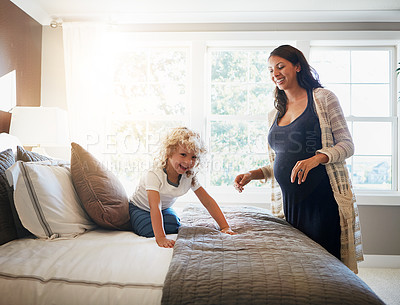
[380, 261]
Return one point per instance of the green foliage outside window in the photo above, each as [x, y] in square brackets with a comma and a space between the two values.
[240, 99]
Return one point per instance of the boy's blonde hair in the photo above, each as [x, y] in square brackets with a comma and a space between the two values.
[185, 137]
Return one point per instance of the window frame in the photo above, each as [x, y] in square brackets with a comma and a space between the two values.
[148, 119]
[210, 117]
[200, 41]
[391, 118]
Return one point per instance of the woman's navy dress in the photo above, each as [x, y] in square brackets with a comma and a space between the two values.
[310, 206]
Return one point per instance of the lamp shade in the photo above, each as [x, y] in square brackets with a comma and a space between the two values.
[8, 93]
[40, 126]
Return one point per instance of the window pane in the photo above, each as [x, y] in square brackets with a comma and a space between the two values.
[372, 172]
[369, 81]
[225, 167]
[228, 99]
[258, 66]
[131, 67]
[157, 130]
[370, 66]
[128, 168]
[236, 147]
[151, 81]
[131, 135]
[370, 100]
[261, 98]
[240, 87]
[149, 91]
[258, 133]
[236, 137]
[167, 65]
[372, 138]
[332, 66]
[229, 137]
[240, 83]
[229, 66]
[166, 99]
[364, 95]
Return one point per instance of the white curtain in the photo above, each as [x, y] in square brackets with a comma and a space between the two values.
[87, 82]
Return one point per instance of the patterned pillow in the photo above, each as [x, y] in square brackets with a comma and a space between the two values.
[101, 193]
[8, 141]
[10, 224]
[7, 227]
[29, 156]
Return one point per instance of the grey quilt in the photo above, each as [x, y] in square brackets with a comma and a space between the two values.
[268, 262]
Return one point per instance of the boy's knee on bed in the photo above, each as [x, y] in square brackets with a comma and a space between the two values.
[141, 221]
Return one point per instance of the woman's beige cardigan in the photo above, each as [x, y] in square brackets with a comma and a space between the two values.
[337, 144]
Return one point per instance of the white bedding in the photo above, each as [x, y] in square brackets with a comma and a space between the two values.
[97, 267]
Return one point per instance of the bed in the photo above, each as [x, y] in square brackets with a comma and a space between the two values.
[79, 250]
[98, 267]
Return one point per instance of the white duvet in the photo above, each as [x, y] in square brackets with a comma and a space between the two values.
[97, 267]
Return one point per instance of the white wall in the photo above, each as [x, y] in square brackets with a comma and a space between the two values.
[53, 71]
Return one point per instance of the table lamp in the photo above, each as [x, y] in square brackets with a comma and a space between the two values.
[38, 127]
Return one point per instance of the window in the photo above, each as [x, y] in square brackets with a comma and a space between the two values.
[240, 97]
[150, 94]
[362, 78]
[222, 89]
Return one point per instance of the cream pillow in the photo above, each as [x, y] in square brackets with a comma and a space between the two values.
[46, 200]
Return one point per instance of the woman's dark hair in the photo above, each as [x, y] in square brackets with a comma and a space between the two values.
[307, 77]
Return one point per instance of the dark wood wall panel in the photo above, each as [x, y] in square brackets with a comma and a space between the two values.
[21, 50]
[5, 120]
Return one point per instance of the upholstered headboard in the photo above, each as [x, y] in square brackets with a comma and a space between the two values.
[5, 119]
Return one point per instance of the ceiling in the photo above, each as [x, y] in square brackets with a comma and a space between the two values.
[211, 11]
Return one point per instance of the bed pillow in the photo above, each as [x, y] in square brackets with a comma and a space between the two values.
[7, 227]
[8, 141]
[101, 193]
[29, 156]
[26, 156]
[46, 201]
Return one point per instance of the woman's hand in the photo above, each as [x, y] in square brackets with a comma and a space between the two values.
[241, 180]
[303, 167]
[228, 230]
[165, 242]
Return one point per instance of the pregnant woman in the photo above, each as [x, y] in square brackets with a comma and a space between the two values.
[308, 143]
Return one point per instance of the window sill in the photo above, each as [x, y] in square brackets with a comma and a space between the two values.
[378, 198]
[230, 196]
[261, 197]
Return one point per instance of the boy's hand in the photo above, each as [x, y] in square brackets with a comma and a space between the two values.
[165, 242]
[228, 230]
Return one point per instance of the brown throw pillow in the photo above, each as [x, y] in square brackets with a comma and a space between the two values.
[7, 227]
[101, 193]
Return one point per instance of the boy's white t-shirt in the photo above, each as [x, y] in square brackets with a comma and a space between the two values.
[156, 180]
